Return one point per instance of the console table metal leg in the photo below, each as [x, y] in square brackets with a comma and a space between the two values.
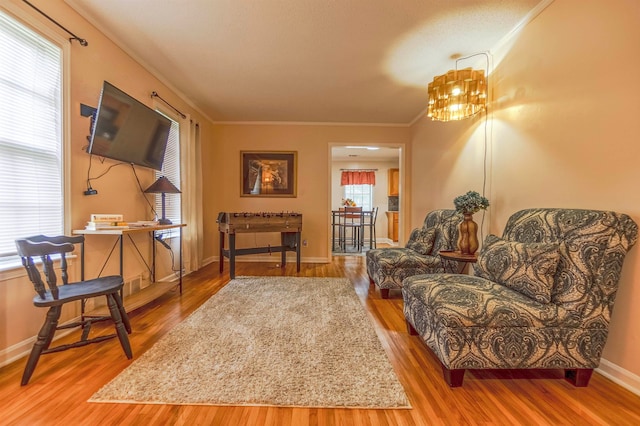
[298, 234]
[221, 252]
[181, 263]
[153, 257]
[121, 255]
[121, 238]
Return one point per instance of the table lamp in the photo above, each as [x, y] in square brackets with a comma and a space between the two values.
[162, 186]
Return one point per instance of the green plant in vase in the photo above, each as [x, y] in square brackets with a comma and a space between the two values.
[468, 204]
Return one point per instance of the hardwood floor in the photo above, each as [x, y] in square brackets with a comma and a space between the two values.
[63, 381]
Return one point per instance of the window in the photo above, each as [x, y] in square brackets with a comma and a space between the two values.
[362, 195]
[171, 170]
[31, 141]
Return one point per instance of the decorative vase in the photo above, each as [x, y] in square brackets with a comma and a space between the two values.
[468, 235]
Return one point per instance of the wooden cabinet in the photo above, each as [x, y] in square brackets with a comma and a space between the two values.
[392, 223]
[394, 182]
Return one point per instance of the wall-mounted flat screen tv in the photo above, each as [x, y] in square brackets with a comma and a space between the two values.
[127, 130]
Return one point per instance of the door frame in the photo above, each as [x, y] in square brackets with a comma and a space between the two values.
[403, 215]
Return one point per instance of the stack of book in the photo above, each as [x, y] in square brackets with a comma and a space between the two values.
[106, 221]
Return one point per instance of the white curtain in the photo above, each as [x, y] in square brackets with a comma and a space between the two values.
[193, 233]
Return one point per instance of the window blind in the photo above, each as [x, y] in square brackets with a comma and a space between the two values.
[171, 170]
[31, 187]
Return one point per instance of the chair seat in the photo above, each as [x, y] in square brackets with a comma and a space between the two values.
[82, 290]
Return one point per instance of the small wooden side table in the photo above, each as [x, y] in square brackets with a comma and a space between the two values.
[455, 262]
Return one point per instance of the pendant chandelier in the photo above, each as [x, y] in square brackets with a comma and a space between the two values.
[457, 94]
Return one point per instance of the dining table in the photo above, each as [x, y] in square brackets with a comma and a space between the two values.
[349, 218]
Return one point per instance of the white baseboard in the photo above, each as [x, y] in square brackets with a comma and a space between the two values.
[22, 349]
[386, 241]
[275, 258]
[619, 375]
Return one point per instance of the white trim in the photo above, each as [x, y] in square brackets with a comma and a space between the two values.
[45, 28]
[308, 123]
[54, 36]
[620, 376]
[267, 259]
[420, 116]
[64, 44]
[528, 18]
[22, 349]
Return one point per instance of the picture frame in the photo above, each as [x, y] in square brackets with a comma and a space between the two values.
[268, 173]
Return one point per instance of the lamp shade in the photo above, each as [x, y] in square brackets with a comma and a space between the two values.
[457, 94]
[162, 185]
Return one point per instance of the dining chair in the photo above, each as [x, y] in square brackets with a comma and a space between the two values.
[41, 253]
[336, 229]
[353, 221]
[370, 222]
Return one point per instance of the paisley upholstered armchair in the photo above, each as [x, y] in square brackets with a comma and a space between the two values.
[541, 297]
[387, 267]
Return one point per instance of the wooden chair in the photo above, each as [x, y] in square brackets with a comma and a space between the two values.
[55, 296]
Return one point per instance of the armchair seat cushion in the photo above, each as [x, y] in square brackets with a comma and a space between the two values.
[392, 265]
[459, 301]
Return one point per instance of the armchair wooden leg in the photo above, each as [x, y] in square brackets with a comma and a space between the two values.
[410, 328]
[579, 377]
[45, 336]
[120, 328]
[453, 377]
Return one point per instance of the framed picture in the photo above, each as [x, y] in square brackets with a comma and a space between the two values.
[268, 173]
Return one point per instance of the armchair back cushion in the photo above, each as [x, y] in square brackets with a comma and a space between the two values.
[528, 268]
[592, 246]
[421, 240]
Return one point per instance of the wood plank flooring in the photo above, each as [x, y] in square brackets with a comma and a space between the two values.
[63, 382]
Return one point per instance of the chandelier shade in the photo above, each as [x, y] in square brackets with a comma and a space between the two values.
[457, 94]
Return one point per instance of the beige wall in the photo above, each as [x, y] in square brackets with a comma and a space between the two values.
[312, 143]
[562, 133]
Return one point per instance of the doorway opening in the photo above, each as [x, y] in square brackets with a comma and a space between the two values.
[381, 201]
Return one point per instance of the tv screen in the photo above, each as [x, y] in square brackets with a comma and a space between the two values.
[127, 130]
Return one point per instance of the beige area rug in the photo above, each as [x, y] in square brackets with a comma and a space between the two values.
[282, 341]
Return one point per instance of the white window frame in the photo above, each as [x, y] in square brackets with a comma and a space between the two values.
[176, 178]
[362, 195]
[53, 36]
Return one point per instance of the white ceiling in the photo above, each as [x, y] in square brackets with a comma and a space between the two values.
[339, 61]
[365, 153]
